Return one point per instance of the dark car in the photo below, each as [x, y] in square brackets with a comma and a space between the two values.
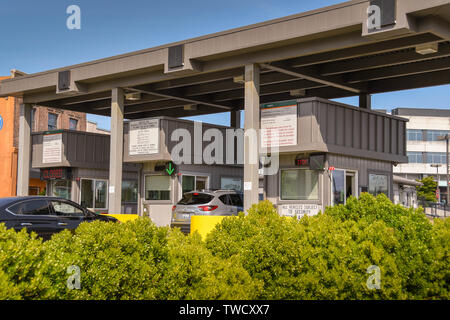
[45, 215]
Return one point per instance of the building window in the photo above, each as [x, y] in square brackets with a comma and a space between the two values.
[94, 194]
[414, 157]
[378, 183]
[73, 124]
[157, 187]
[52, 121]
[129, 191]
[231, 183]
[299, 184]
[190, 183]
[436, 158]
[433, 135]
[415, 135]
[61, 189]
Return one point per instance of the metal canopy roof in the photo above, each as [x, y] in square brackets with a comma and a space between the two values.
[328, 53]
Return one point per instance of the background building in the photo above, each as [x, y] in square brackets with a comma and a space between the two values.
[423, 148]
[42, 119]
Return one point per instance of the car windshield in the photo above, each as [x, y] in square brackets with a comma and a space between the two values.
[195, 198]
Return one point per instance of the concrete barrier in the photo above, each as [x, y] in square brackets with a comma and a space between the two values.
[205, 224]
[123, 217]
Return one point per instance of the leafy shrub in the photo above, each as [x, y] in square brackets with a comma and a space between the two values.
[258, 256]
[135, 260]
[315, 258]
[327, 256]
[21, 257]
[413, 230]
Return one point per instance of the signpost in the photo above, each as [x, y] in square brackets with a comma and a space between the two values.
[52, 148]
[144, 137]
[279, 124]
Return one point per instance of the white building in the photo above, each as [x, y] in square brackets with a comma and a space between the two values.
[423, 148]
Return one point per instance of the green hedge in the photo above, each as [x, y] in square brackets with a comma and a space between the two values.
[327, 256]
[258, 256]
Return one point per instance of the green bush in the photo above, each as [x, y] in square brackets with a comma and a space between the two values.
[327, 256]
[258, 256]
[135, 260]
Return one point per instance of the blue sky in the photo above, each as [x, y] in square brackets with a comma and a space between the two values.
[35, 38]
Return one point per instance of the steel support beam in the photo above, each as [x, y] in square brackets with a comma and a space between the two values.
[365, 101]
[329, 81]
[116, 156]
[251, 126]
[171, 94]
[24, 156]
[235, 119]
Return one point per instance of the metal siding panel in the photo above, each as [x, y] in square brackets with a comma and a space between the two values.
[379, 133]
[339, 129]
[386, 130]
[331, 124]
[364, 131]
[356, 142]
[372, 132]
[349, 127]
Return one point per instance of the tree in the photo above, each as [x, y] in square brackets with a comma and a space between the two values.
[427, 190]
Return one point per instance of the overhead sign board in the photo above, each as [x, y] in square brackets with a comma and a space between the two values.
[313, 162]
[56, 173]
[144, 137]
[279, 124]
[52, 148]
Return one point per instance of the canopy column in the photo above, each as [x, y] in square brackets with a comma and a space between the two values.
[251, 141]
[116, 156]
[23, 166]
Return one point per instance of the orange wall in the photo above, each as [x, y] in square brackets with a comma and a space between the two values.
[8, 154]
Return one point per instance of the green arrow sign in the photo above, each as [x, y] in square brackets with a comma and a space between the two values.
[170, 170]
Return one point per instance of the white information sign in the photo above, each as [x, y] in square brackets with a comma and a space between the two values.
[279, 125]
[144, 137]
[52, 148]
[299, 210]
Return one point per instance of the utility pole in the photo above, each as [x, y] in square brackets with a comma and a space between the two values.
[437, 187]
[446, 139]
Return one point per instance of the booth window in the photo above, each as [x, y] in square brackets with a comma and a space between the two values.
[52, 121]
[157, 187]
[94, 193]
[191, 183]
[338, 187]
[61, 189]
[378, 183]
[299, 184]
[129, 191]
[227, 183]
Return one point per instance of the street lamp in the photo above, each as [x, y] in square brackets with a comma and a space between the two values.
[446, 139]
